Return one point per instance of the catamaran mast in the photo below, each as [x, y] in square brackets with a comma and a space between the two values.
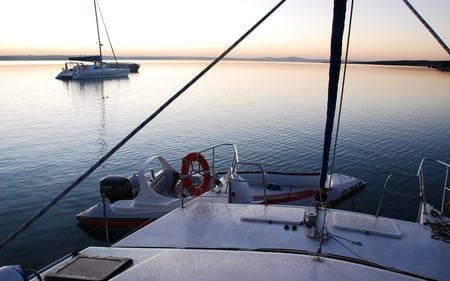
[98, 33]
[335, 67]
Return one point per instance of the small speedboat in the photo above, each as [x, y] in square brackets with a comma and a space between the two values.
[158, 188]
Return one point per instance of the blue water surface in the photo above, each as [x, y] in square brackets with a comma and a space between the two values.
[52, 131]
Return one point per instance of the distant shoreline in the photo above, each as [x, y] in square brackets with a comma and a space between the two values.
[443, 65]
[121, 58]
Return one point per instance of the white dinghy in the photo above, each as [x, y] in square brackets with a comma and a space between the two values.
[158, 188]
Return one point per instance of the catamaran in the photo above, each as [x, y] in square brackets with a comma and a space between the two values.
[96, 68]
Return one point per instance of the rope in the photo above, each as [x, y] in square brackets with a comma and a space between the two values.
[334, 237]
[135, 131]
[439, 230]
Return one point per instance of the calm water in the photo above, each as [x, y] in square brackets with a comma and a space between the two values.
[52, 131]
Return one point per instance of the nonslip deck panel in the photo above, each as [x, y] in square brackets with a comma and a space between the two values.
[365, 223]
[89, 268]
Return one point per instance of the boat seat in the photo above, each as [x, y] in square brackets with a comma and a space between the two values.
[165, 182]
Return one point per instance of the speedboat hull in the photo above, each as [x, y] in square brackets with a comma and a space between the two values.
[281, 188]
[95, 217]
[300, 188]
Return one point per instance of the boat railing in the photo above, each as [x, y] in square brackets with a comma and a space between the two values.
[385, 188]
[445, 189]
[213, 151]
[263, 180]
[421, 176]
[232, 167]
[210, 154]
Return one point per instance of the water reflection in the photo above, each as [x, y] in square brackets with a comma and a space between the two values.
[93, 96]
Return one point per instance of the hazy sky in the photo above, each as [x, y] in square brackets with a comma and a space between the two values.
[382, 29]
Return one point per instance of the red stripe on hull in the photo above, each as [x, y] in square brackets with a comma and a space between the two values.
[285, 198]
[100, 222]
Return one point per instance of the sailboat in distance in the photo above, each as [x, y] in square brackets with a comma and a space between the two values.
[96, 68]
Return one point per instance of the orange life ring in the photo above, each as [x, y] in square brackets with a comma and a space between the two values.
[186, 173]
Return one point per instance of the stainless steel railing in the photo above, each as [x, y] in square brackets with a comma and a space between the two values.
[422, 194]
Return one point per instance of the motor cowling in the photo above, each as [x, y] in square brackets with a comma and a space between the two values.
[117, 187]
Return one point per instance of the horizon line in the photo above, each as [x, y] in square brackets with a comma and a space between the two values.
[439, 64]
[146, 57]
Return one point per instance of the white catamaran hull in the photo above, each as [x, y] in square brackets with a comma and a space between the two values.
[98, 71]
[211, 239]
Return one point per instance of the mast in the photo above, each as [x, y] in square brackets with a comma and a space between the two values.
[334, 71]
[98, 33]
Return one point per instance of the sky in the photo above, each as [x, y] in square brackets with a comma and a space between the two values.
[381, 29]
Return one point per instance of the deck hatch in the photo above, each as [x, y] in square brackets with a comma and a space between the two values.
[273, 214]
[365, 223]
[89, 268]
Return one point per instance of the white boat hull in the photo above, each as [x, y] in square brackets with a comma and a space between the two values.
[293, 189]
[84, 72]
[65, 75]
[98, 70]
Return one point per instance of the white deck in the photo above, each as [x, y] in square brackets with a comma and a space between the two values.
[207, 240]
[186, 264]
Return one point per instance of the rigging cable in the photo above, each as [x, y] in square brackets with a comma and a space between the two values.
[106, 30]
[427, 26]
[98, 33]
[135, 130]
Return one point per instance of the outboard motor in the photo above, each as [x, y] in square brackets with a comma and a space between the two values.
[117, 188]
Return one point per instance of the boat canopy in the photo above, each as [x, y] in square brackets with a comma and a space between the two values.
[86, 58]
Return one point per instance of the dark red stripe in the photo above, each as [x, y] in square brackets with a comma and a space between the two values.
[285, 197]
[130, 223]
